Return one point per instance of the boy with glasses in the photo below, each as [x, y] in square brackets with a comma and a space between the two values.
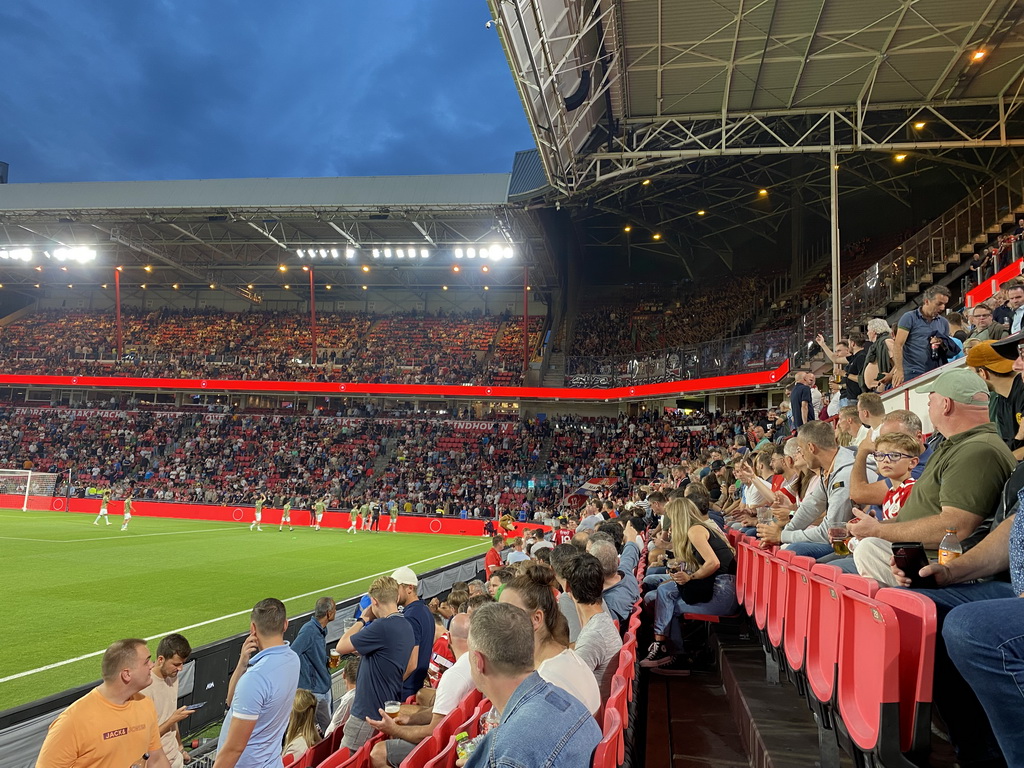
[896, 455]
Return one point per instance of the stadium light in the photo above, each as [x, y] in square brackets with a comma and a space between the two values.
[80, 254]
[455, 268]
[287, 287]
[424, 253]
[458, 253]
[485, 268]
[376, 253]
[364, 287]
[762, 192]
[334, 253]
[978, 55]
[471, 253]
[400, 253]
[283, 268]
[300, 253]
[443, 287]
[365, 268]
[387, 253]
[920, 125]
[148, 268]
[16, 254]
[350, 253]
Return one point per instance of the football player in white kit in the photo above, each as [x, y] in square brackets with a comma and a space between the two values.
[103, 508]
[127, 512]
[260, 501]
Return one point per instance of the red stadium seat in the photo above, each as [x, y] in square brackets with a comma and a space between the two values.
[917, 617]
[823, 632]
[607, 751]
[858, 584]
[752, 579]
[743, 562]
[287, 761]
[798, 599]
[336, 759]
[780, 591]
[615, 709]
[445, 758]
[868, 690]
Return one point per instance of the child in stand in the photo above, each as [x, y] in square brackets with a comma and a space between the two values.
[896, 455]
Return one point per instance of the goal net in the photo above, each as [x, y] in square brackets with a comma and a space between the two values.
[24, 484]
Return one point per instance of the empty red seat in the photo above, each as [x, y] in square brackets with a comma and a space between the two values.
[606, 755]
[823, 632]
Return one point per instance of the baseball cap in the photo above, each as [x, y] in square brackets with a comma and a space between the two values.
[717, 464]
[405, 575]
[961, 385]
[1007, 347]
[983, 355]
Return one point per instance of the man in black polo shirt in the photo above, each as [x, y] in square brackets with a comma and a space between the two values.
[801, 405]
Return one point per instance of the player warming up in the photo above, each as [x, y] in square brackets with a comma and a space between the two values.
[393, 514]
[127, 512]
[318, 511]
[103, 508]
[286, 515]
[353, 516]
[260, 501]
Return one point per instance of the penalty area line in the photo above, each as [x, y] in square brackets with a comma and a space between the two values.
[236, 614]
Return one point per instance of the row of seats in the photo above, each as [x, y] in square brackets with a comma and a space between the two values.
[862, 656]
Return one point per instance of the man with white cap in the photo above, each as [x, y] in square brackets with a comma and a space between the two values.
[959, 488]
[418, 614]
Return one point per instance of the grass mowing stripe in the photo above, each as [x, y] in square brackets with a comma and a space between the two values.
[163, 634]
[61, 600]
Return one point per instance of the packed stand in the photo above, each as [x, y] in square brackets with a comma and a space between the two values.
[505, 367]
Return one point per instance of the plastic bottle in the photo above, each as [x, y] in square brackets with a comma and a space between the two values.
[950, 548]
[462, 749]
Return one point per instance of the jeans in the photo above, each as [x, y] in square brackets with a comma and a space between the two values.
[843, 562]
[985, 640]
[969, 727]
[323, 710]
[668, 603]
[810, 549]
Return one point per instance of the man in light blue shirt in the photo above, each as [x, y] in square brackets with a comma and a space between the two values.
[260, 693]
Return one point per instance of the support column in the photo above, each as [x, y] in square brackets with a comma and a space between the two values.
[526, 320]
[117, 311]
[837, 302]
[312, 315]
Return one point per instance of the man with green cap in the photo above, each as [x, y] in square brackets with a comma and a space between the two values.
[959, 489]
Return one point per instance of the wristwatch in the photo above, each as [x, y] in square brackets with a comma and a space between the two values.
[360, 618]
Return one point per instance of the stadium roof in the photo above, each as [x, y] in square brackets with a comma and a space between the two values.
[233, 233]
[652, 110]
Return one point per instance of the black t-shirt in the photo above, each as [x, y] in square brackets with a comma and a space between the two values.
[854, 367]
[726, 558]
[1007, 412]
[801, 393]
[385, 645]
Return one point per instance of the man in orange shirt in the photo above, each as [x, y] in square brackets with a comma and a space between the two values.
[492, 560]
[113, 724]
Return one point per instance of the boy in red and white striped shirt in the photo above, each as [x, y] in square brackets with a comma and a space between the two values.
[896, 455]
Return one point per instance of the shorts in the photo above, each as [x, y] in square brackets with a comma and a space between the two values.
[356, 732]
[398, 750]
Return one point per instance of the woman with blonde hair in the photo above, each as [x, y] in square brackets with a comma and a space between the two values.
[704, 582]
[302, 733]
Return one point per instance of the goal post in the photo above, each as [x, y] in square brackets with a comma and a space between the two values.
[26, 483]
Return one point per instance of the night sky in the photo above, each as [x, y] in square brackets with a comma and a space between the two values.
[114, 90]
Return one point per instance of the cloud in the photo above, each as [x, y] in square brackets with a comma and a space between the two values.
[174, 89]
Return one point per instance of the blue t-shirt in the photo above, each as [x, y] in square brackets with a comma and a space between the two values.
[422, 622]
[385, 645]
[801, 393]
[917, 354]
[264, 694]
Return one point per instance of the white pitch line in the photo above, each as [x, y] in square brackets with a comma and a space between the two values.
[130, 537]
[228, 616]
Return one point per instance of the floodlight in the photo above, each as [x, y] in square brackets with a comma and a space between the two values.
[80, 253]
[334, 253]
[508, 253]
[495, 252]
[323, 253]
[17, 254]
[471, 253]
[387, 253]
[301, 253]
[376, 253]
[350, 253]
[400, 253]
[424, 253]
[458, 253]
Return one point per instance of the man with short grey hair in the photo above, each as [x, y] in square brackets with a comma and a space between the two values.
[311, 646]
[540, 723]
[621, 590]
[912, 351]
[985, 326]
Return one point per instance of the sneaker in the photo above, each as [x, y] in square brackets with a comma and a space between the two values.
[94, 522]
[677, 666]
[657, 656]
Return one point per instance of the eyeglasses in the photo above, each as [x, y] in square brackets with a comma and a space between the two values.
[982, 314]
[879, 456]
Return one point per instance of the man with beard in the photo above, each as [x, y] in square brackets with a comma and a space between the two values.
[171, 655]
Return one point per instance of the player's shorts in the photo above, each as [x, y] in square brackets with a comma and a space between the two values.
[286, 517]
[319, 517]
[103, 510]
[127, 516]
[259, 516]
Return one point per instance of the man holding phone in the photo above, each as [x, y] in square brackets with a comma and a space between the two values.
[171, 655]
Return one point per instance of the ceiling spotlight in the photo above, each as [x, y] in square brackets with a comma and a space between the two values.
[455, 268]
[627, 228]
[444, 287]
[39, 269]
[978, 55]
[120, 269]
[283, 268]
[486, 268]
[645, 182]
[919, 126]
[300, 253]
[900, 158]
[328, 286]
[487, 287]
[148, 268]
[471, 253]
[508, 252]
[37, 285]
[212, 286]
[350, 253]
[104, 286]
[334, 253]
[458, 253]
[143, 286]
[366, 268]
[175, 286]
[287, 287]
[762, 192]
[323, 253]
[529, 288]
[387, 253]
[424, 253]
[400, 253]
[305, 268]
[657, 236]
[70, 285]
[364, 287]
[376, 253]
[63, 269]
[249, 286]
[701, 212]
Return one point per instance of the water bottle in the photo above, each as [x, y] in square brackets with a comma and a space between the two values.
[950, 548]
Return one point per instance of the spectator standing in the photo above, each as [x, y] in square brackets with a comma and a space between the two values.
[171, 655]
[260, 692]
[1015, 301]
[492, 560]
[385, 641]
[877, 372]
[800, 402]
[912, 354]
[516, 555]
[407, 730]
[540, 723]
[311, 646]
[113, 724]
[418, 614]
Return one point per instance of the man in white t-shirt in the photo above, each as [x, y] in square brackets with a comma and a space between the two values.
[408, 729]
[171, 655]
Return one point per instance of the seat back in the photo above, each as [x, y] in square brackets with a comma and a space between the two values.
[858, 584]
[615, 711]
[868, 689]
[798, 600]
[918, 628]
[750, 576]
[607, 751]
[445, 758]
[627, 668]
[823, 631]
[338, 758]
[779, 582]
[764, 588]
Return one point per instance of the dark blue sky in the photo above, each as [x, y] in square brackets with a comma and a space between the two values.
[110, 90]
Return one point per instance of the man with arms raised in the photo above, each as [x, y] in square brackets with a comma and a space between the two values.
[260, 692]
[171, 655]
[541, 724]
[113, 724]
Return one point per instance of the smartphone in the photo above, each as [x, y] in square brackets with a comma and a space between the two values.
[197, 705]
[911, 558]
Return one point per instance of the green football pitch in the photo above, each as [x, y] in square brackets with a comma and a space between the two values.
[71, 588]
